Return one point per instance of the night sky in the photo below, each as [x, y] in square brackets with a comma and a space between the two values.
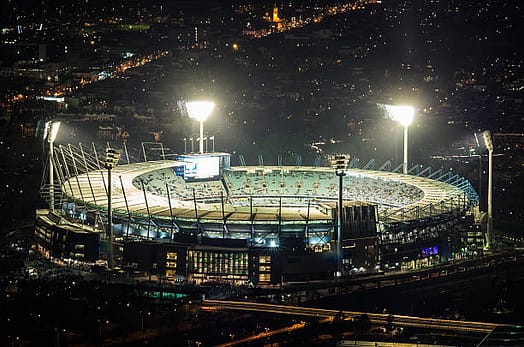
[301, 87]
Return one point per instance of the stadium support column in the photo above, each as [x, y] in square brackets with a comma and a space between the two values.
[112, 158]
[170, 209]
[126, 152]
[147, 208]
[127, 205]
[251, 217]
[307, 225]
[224, 227]
[212, 138]
[339, 162]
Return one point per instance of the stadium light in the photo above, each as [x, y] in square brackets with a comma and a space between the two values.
[111, 160]
[51, 130]
[340, 163]
[486, 136]
[200, 111]
[404, 115]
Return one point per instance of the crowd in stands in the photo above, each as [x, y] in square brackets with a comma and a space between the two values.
[321, 185]
[273, 187]
[158, 182]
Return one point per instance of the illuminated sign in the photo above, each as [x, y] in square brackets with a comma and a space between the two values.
[197, 167]
[428, 251]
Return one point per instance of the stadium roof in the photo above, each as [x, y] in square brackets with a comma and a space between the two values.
[90, 188]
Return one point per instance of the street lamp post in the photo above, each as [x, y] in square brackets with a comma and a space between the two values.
[51, 132]
[404, 115]
[486, 135]
[340, 163]
[200, 110]
[111, 160]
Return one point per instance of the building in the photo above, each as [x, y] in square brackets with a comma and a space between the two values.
[197, 218]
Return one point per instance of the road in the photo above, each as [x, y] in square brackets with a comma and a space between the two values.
[376, 318]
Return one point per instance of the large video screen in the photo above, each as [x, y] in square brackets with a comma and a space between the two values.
[428, 251]
[196, 168]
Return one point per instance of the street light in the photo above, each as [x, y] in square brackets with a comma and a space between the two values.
[200, 110]
[111, 160]
[486, 135]
[340, 163]
[404, 115]
[51, 130]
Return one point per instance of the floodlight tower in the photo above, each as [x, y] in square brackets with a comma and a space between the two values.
[339, 163]
[111, 160]
[486, 135]
[404, 115]
[200, 110]
[52, 131]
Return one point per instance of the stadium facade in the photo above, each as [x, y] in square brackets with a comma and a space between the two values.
[197, 218]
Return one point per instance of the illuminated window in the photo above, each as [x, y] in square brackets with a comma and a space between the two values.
[264, 278]
[171, 261]
[220, 264]
[264, 259]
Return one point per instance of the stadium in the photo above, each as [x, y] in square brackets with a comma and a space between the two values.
[195, 217]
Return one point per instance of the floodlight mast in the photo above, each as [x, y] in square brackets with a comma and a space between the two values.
[339, 163]
[200, 111]
[52, 131]
[111, 160]
[404, 115]
[488, 142]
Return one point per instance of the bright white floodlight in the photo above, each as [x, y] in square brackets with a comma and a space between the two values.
[51, 130]
[200, 110]
[404, 115]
